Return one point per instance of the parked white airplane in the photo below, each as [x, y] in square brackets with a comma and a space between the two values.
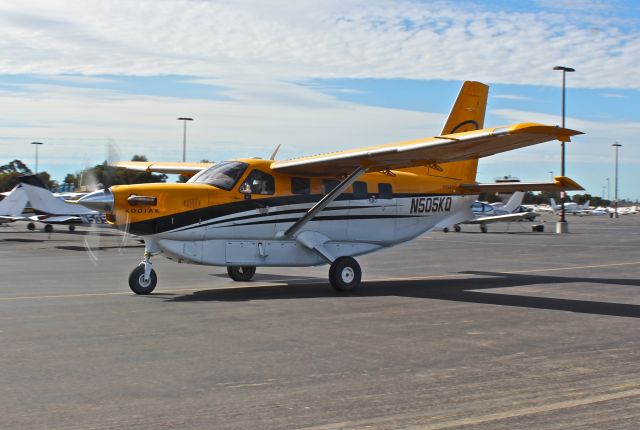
[12, 205]
[52, 210]
[571, 207]
[485, 213]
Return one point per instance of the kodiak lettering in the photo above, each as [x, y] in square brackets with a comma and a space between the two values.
[420, 205]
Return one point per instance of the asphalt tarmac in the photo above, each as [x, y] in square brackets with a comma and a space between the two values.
[504, 330]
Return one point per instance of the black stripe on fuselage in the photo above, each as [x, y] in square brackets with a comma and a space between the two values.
[211, 214]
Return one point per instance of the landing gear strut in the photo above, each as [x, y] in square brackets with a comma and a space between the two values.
[345, 274]
[143, 279]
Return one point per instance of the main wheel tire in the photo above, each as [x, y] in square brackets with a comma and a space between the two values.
[484, 229]
[31, 226]
[48, 228]
[137, 282]
[457, 228]
[241, 273]
[445, 230]
[345, 274]
[72, 228]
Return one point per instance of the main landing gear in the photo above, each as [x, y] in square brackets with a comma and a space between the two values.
[345, 274]
[241, 273]
[143, 279]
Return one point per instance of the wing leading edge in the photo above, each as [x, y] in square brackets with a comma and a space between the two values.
[187, 169]
[427, 152]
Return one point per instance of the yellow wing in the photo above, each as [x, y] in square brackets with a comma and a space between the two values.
[177, 168]
[426, 152]
[559, 183]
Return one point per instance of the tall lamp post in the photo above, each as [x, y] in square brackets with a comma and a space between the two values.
[184, 137]
[561, 226]
[609, 189]
[37, 144]
[617, 146]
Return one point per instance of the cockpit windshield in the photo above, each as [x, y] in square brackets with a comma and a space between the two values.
[223, 175]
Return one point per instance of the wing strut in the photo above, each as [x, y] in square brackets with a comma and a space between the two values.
[333, 194]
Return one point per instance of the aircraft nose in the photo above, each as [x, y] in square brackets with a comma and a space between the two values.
[101, 200]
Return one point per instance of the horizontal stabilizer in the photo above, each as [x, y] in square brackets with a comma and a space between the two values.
[560, 183]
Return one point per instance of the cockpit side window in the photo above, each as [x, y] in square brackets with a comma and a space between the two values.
[222, 175]
[260, 182]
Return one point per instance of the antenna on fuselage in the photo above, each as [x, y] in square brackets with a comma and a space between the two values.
[275, 151]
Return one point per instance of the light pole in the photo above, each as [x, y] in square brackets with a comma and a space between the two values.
[609, 189]
[551, 173]
[561, 227]
[37, 144]
[617, 146]
[184, 137]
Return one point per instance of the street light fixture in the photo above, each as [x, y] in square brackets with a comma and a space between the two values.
[617, 146]
[184, 137]
[561, 226]
[37, 144]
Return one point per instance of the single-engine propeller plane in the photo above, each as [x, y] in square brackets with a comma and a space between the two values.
[322, 209]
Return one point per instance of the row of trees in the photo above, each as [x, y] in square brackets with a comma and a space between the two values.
[99, 174]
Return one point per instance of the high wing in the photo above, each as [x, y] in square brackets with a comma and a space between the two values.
[56, 219]
[508, 217]
[177, 168]
[559, 183]
[426, 152]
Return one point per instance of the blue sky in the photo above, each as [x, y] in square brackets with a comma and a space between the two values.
[315, 77]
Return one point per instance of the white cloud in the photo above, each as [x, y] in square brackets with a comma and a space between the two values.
[299, 40]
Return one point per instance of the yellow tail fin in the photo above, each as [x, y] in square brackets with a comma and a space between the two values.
[467, 114]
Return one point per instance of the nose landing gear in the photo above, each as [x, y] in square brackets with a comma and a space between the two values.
[143, 279]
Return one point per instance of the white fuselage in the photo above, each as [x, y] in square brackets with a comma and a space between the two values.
[345, 228]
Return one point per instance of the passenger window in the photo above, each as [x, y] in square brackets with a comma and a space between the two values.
[300, 186]
[329, 184]
[360, 190]
[260, 183]
[385, 191]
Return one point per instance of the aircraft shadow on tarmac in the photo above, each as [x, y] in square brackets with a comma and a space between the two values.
[95, 248]
[457, 290]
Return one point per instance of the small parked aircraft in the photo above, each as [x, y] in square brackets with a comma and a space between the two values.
[51, 210]
[485, 213]
[570, 208]
[322, 209]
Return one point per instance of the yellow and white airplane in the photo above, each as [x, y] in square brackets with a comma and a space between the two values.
[322, 209]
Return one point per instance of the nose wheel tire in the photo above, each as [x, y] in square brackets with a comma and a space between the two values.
[483, 228]
[72, 228]
[138, 284]
[31, 226]
[345, 274]
[241, 273]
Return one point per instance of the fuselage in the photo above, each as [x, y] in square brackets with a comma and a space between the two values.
[207, 224]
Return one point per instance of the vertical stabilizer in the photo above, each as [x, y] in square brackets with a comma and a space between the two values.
[467, 114]
[14, 203]
[514, 202]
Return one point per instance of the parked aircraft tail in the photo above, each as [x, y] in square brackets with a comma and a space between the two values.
[554, 206]
[42, 200]
[13, 204]
[586, 204]
[514, 202]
